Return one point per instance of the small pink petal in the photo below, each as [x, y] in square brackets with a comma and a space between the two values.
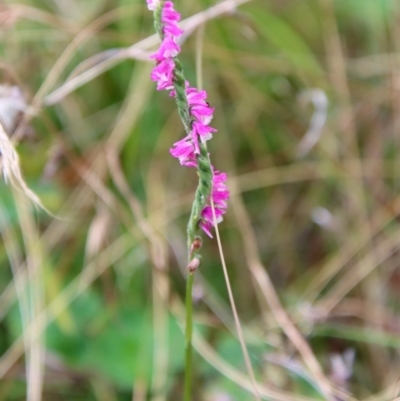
[168, 49]
[170, 19]
[185, 152]
[152, 4]
[204, 132]
[163, 74]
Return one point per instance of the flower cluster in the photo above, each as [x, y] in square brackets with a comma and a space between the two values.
[163, 72]
[220, 195]
[187, 150]
[201, 114]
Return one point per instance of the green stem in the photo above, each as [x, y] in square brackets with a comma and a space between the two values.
[205, 174]
[188, 337]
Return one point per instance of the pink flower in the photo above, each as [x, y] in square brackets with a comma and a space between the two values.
[207, 221]
[204, 132]
[220, 192]
[198, 105]
[187, 149]
[170, 19]
[184, 151]
[168, 49]
[203, 114]
[220, 195]
[195, 96]
[163, 71]
[152, 4]
[163, 74]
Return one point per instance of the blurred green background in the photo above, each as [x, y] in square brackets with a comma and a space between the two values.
[307, 107]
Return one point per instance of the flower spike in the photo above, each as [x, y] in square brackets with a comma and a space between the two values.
[196, 115]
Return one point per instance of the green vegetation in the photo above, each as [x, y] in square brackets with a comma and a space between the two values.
[307, 107]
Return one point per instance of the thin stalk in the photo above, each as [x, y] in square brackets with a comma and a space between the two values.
[239, 329]
[188, 337]
[203, 192]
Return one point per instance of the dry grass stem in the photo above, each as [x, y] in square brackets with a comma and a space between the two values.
[11, 169]
[239, 329]
[139, 50]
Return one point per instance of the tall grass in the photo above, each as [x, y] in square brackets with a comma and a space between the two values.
[91, 301]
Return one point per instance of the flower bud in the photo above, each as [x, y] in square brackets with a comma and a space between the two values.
[193, 265]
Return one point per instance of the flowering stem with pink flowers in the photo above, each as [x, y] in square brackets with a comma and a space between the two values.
[191, 151]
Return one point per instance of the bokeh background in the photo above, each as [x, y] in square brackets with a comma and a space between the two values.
[307, 107]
